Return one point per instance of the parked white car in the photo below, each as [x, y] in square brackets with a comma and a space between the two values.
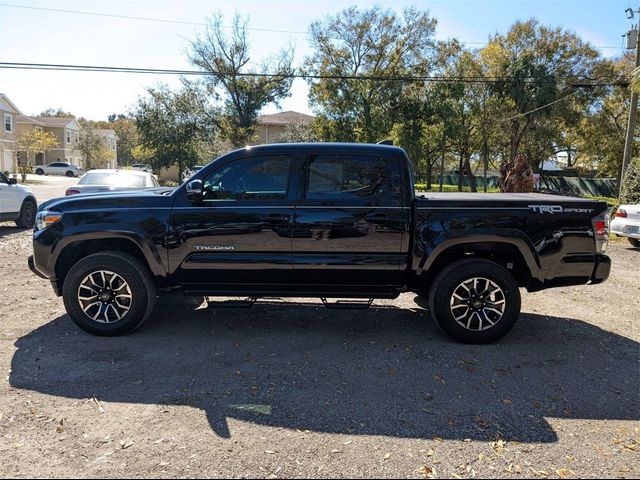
[141, 167]
[17, 203]
[59, 168]
[110, 180]
[627, 223]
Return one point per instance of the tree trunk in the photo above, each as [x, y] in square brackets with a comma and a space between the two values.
[442, 161]
[429, 174]
[485, 160]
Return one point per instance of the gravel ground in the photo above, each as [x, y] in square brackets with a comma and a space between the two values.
[298, 391]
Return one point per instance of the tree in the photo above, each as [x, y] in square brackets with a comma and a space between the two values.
[32, 142]
[599, 135]
[635, 82]
[93, 148]
[126, 131]
[297, 132]
[243, 88]
[538, 65]
[173, 126]
[55, 112]
[376, 43]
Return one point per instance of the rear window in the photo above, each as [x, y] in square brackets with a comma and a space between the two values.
[114, 179]
[332, 177]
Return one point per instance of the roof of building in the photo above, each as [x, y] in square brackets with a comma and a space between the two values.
[10, 103]
[286, 118]
[56, 121]
[30, 120]
[103, 131]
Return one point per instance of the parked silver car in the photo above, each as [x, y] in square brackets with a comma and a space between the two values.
[59, 168]
[108, 180]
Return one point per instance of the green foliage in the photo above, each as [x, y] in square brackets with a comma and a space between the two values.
[126, 131]
[297, 132]
[173, 126]
[33, 142]
[95, 151]
[226, 60]
[373, 42]
[55, 112]
[630, 193]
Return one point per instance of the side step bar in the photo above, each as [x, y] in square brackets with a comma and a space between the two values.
[251, 301]
[347, 304]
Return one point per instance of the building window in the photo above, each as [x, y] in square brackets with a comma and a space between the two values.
[68, 136]
[8, 123]
[77, 137]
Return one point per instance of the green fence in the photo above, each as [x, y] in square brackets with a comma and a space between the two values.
[595, 187]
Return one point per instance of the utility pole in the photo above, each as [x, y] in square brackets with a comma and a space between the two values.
[633, 109]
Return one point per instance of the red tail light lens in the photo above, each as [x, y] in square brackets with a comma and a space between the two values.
[71, 191]
[600, 227]
[622, 213]
[601, 232]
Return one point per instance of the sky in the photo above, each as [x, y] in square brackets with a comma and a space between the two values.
[38, 36]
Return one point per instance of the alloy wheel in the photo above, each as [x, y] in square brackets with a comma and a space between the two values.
[104, 296]
[478, 304]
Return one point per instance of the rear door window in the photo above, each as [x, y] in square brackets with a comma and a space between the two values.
[346, 177]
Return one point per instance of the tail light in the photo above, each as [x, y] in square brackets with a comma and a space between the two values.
[621, 212]
[601, 232]
[71, 191]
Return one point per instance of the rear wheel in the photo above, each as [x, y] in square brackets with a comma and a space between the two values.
[475, 301]
[27, 215]
[109, 293]
[635, 242]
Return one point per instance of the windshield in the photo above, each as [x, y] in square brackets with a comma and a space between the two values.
[114, 179]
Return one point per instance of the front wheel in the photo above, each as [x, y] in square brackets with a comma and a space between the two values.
[27, 215]
[109, 293]
[635, 242]
[39, 171]
[70, 174]
[475, 301]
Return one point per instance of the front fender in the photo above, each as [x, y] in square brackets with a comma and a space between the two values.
[130, 232]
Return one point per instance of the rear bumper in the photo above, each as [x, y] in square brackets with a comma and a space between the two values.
[602, 269]
[576, 270]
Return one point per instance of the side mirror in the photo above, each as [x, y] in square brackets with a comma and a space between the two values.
[12, 181]
[195, 191]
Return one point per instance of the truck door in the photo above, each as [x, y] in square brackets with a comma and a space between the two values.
[240, 234]
[349, 221]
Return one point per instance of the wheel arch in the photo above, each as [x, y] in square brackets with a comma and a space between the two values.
[78, 248]
[512, 252]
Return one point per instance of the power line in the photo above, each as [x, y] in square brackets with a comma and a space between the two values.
[158, 71]
[200, 24]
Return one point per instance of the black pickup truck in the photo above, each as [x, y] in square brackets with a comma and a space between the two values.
[324, 220]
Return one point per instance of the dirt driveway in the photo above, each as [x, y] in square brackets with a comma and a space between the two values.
[299, 391]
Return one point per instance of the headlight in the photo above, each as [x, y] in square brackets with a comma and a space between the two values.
[46, 218]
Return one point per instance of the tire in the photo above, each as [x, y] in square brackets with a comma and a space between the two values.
[139, 287]
[69, 174]
[27, 214]
[39, 171]
[634, 241]
[481, 318]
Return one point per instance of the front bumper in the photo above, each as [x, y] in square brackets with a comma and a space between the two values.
[32, 267]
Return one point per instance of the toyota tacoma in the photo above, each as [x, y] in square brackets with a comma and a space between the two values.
[325, 220]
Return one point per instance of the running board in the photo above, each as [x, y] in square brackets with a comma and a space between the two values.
[246, 303]
[347, 304]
